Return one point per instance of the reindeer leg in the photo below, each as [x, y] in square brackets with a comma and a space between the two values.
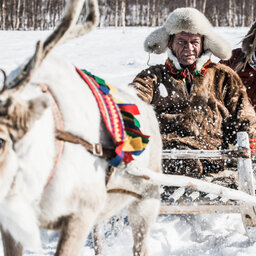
[142, 214]
[75, 229]
[11, 247]
[97, 239]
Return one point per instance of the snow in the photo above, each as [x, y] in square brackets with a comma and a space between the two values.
[117, 55]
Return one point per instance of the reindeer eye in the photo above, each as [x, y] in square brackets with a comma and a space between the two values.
[2, 141]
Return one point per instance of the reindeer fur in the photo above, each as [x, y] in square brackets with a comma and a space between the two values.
[76, 198]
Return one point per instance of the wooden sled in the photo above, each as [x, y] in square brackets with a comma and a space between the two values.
[189, 201]
[184, 201]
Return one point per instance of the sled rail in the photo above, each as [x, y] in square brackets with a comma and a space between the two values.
[188, 202]
[204, 154]
[199, 209]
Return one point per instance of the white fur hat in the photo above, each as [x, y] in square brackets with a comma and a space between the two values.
[189, 20]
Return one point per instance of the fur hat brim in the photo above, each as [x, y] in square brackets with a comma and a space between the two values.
[192, 21]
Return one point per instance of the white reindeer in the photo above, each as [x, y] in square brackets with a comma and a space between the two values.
[76, 196]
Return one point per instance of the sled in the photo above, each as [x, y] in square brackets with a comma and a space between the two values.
[190, 201]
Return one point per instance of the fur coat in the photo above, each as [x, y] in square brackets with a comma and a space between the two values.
[247, 74]
[239, 61]
[205, 117]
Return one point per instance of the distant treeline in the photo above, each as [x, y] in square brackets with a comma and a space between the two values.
[44, 14]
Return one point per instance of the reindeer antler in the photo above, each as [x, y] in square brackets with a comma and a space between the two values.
[92, 19]
[25, 75]
[70, 17]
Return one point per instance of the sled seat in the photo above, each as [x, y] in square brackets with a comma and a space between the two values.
[189, 201]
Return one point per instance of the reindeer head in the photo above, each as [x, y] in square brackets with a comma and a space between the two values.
[17, 116]
[16, 119]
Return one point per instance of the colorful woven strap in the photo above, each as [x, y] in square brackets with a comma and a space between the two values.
[253, 147]
[119, 120]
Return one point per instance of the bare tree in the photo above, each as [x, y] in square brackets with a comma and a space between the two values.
[249, 12]
[231, 20]
[190, 3]
[153, 13]
[148, 13]
[116, 14]
[44, 14]
[123, 5]
[142, 14]
[103, 12]
[215, 17]
[33, 14]
[3, 15]
[23, 15]
[243, 13]
[204, 6]
[137, 13]
[17, 24]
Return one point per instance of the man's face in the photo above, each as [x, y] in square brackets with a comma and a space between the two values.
[186, 47]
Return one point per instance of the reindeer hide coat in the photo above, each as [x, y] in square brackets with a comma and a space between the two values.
[206, 118]
[247, 74]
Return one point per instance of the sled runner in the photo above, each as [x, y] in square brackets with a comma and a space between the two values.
[190, 201]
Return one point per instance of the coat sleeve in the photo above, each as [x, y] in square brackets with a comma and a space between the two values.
[146, 83]
[242, 116]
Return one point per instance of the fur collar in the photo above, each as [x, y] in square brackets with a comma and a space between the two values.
[199, 63]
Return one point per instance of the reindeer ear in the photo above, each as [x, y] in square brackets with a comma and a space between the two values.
[37, 106]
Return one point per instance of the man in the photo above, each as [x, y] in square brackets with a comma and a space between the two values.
[199, 104]
[243, 61]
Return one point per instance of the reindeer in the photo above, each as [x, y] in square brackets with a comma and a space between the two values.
[75, 196]
[61, 184]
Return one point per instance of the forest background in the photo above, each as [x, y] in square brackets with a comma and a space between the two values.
[45, 14]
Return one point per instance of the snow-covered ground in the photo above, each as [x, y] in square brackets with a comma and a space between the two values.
[117, 55]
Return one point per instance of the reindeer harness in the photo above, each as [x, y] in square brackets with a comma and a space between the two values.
[118, 118]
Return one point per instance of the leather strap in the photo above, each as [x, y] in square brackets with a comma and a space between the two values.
[58, 124]
[96, 149]
[62, 136]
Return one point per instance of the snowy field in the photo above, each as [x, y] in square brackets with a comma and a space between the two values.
[117, 55]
